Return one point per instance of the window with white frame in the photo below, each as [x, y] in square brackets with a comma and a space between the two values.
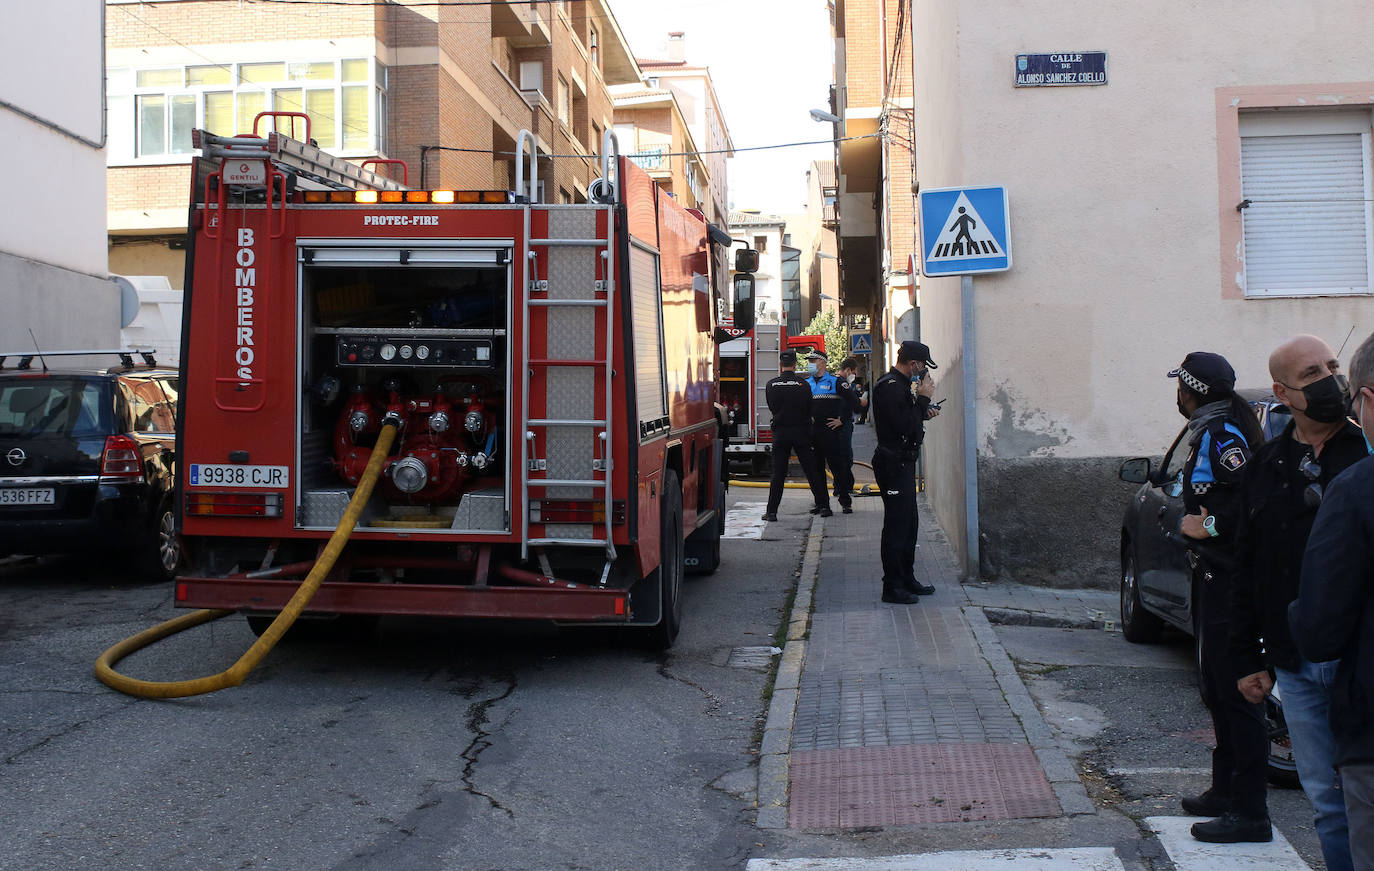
[1306, 191]
[153, 111]
[564, 101]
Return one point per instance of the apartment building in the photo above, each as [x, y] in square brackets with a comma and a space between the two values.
[777, 288]
[444, 87]
[695, 93]
[650, 127]
[874, 154]
[814, 233]
[1177, 182]
[52, 237]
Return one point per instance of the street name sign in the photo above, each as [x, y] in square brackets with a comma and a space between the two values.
[964, 231]
[1061, 69]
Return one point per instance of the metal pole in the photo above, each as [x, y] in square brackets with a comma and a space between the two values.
[970, 429]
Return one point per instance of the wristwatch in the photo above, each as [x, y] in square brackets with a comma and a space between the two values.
[1209, 523]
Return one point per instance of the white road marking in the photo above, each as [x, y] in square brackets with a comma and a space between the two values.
[1129, 772]
[745, 520]
[1187, 853]
[1068, 859]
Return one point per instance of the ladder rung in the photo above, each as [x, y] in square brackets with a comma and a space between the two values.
[551, 421]
[565, 243]
[545, 361]
[574, 542]
[599, 303]
[560, 482]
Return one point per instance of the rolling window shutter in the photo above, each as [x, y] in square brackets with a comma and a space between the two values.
[1307, 228]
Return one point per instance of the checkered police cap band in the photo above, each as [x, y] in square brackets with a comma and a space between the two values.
[1193, 383]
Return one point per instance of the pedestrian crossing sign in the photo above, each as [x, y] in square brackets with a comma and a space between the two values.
[861, 343]
[964, 231]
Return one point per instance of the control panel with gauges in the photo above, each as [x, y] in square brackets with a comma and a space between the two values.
[387, 350]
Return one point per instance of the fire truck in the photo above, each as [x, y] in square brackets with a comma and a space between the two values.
[550, 371]
[747, 362]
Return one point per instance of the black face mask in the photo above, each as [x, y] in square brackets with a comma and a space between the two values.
[1328, 400]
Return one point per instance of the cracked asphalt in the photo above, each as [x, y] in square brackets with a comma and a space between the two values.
[438, 745]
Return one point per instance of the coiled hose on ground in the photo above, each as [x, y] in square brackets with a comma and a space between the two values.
[235, 674]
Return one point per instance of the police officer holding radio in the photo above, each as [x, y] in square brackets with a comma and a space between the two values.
[1222, 430]
[789, 399]
[899, 421]
[832, 404]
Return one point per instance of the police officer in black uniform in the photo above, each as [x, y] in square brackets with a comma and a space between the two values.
[789, 399]
[832, 404]
[899, 421]
[1222, 431]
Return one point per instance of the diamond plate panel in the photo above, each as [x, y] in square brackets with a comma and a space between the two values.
[570, 393]
[571, 331]
[569, 450]
[572, 270]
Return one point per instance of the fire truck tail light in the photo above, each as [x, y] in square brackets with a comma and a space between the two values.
[393, 196]
[365, 197]
[413, 197]
[417, 196]
[575, 511]
[497, 196]
[341, 196]
[441, 196]
[764, 435]
[317, 196]
[121, 460]
[205, 504]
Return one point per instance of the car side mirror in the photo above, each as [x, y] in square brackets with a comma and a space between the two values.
[1135, 471]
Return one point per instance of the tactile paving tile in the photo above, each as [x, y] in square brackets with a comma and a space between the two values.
[917, 783]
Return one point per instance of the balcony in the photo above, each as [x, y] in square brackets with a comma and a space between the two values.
[520, 24]
[651, 159]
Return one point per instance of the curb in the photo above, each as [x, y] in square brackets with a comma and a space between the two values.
[777, 730]
[1062, 776]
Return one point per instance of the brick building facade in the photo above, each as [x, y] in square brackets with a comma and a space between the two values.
[444, 88]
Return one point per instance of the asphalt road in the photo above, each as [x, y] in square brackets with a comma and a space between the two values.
[438, 745]
[1131, 716]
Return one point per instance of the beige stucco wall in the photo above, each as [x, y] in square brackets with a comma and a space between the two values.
[1116, 220]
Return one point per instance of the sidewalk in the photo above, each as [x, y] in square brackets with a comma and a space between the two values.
[900, 715]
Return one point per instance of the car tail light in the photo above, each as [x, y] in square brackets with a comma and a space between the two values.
[121, 460]
[575, 511]
[201, 503]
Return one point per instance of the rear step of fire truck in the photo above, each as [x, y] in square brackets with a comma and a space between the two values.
[571, 309]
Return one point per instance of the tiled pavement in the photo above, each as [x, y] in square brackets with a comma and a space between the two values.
[909, 714]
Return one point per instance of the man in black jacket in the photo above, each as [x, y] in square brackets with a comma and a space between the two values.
[789, 398]
[899, 421]
[1221, 431]
[1281, 494]
[1333, 617]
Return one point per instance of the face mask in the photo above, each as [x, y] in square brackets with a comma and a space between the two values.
[813, 368]
[849, 379]
[1328, 399]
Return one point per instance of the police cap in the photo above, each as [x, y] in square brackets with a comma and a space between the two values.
[915, 351]
[1206, 373]
[788, 357]
[817, 355]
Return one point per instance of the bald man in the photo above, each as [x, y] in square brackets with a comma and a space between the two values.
[1283, 489]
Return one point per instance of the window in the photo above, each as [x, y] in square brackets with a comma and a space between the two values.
[760, 244]
[592, 47]
[564, 101]
[532, 75]
[1306, 188]
[152, 112]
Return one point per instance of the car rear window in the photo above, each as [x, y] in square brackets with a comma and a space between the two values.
[54, 407]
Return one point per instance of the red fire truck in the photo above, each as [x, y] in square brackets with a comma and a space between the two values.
[747, 362]
[551, 368]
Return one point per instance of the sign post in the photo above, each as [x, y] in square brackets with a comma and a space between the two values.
[965, 232]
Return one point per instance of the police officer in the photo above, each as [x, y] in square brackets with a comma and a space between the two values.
[832, 404]
[899, 421]
[1222, 430]
[789, 399]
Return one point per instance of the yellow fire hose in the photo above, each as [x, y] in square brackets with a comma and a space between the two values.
[235, 674]
[865, 490]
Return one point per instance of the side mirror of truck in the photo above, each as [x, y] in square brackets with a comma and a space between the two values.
[744, 301]
[746, 260]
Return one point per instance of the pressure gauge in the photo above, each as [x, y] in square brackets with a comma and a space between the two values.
[422, 352]
[388, 351]
[406, 351]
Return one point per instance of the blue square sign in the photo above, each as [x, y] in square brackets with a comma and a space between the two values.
[965, 231]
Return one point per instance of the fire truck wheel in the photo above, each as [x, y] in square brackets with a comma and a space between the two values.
[670, 566]
[703, 545]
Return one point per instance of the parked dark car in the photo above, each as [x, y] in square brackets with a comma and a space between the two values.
[1157, 587]
[87, 463]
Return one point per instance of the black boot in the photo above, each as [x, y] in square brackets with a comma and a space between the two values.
[898, 596]
[825, 512]
[916, 588]
[1209, 804]
[1232, 828]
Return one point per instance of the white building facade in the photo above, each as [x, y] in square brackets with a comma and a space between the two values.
[1213, 194]
[54, 273]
